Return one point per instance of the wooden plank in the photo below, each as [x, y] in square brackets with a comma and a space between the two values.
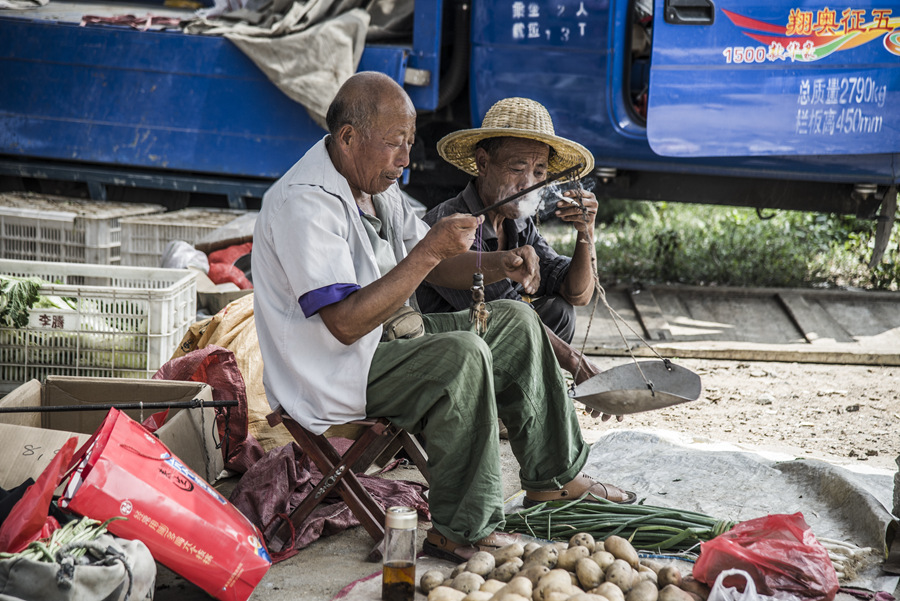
[831, 293]
[764, 324]
[756, 319]
[805, 353]
[601, 327]
[649, 314]
[813, 322]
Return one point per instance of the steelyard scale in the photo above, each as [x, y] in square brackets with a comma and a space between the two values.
[629, 388]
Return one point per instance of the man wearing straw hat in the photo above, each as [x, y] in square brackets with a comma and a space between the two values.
[515, 148]
[336, 252]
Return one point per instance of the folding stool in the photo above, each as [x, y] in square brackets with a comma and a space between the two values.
[372, 438]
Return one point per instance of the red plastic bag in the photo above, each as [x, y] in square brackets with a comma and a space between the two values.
[221, 273]
[123, 470]
[230, 254]
[28, 521]
[222, 266]
[156, 421]
[780, 553]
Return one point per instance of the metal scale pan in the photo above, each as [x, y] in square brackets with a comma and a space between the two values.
[623, 390]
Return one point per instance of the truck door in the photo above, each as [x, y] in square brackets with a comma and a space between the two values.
[764, 77]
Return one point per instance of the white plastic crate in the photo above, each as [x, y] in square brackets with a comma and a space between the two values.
[144, 238]
[121, 322]
[38, 227]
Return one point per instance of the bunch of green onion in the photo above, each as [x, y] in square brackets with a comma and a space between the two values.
[76, 531]
[646, 527]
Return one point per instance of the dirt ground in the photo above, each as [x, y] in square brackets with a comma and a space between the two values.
[841, 413]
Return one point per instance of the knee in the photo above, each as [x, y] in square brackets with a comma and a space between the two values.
[465, 375]
[513, 310]
[467, 346]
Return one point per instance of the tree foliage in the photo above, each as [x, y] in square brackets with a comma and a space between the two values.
[728, 246]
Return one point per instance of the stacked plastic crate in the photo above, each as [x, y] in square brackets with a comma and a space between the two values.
[38, 227]
[145, 237]
[96, 320]
[93, 316]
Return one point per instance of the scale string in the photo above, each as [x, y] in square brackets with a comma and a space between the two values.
[478, 246]
[600, 294]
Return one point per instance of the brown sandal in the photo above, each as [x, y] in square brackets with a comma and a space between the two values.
[580, 487]
[438, 545]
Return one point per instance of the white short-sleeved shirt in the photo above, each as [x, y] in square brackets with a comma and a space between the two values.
[309, 236]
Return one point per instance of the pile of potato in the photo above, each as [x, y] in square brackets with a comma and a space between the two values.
[581, 570]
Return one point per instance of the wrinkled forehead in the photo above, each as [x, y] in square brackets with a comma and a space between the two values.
[395, 115]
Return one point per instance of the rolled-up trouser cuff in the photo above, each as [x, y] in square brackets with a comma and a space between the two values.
[562, 479]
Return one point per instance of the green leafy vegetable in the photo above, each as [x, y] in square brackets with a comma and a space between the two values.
[17, 296]
[645, 526]
[108, 335]
[77, 531]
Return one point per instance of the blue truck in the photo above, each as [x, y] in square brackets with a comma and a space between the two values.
[790, 104]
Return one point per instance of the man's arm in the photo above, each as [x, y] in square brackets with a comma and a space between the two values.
[570, 359]
[519, 264]
[366, 309]
[578, 287]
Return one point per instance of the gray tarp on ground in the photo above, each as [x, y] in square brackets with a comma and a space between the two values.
[728, 483]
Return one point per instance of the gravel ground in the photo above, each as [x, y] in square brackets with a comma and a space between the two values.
[841, 413]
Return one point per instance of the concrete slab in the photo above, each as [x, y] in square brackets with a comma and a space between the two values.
[820, 326]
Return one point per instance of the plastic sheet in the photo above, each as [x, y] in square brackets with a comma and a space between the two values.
[743, 482]
[779, 551]
[720, 592]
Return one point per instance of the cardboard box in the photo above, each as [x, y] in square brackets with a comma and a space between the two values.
[31, 439]
[214, 297]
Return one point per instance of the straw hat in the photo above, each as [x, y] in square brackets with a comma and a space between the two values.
[519, 118]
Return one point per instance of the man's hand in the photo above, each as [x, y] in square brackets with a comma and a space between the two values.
[583, 220]
[604, 417]
[522, 265]
[452, 235]
[584, 370]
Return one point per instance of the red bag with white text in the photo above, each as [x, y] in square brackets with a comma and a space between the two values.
[778, 551]
[123, 470]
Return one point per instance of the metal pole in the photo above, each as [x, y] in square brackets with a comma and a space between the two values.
[537, 186]
[194, 404]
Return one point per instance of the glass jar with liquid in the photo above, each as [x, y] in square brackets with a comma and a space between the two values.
[399, 574]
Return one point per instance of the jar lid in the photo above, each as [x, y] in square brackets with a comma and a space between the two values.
[401, 517]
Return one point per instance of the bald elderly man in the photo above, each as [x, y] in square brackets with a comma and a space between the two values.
[336, 253]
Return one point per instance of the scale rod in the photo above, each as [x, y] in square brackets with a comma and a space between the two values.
[193, 404]
[550, 179]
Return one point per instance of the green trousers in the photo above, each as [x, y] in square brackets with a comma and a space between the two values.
[451, 385]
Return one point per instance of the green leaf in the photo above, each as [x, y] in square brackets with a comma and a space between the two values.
[17, 297]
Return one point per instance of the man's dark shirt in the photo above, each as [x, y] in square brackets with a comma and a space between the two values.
[519, 232]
